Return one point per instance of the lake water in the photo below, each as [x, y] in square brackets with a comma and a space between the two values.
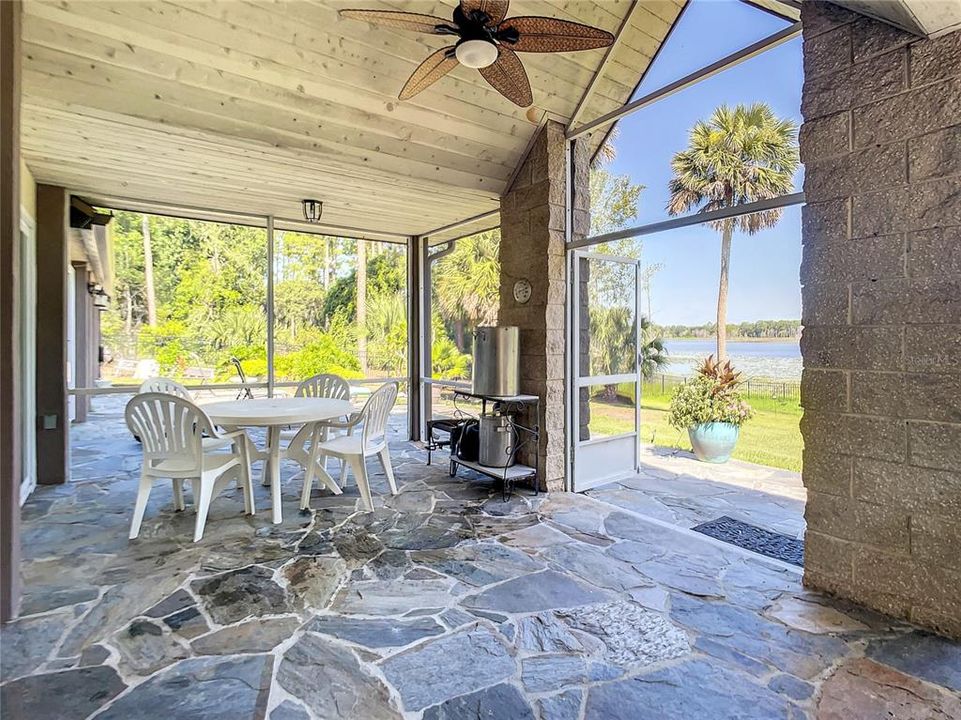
[770, 359]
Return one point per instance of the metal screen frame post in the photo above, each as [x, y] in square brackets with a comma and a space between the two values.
[270, 306]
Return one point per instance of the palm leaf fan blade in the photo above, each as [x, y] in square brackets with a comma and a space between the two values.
[496, 10]
[415, 22]
[508, 77]
[547, 35]
[436, 66]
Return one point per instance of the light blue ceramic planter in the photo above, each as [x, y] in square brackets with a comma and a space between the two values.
[713, 442]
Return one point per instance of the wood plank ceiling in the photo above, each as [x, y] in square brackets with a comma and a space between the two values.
[250, 106]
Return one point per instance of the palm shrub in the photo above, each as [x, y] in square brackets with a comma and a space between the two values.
[712, 395]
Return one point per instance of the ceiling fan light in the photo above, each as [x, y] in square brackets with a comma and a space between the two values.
[476, 53]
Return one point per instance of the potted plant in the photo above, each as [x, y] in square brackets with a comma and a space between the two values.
[709, 406]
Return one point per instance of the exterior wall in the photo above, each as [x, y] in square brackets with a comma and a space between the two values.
[881, 276]
[533, 247]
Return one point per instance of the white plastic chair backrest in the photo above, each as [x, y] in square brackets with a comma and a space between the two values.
[376, 412]
[324, 385]
[169, 427]
[165, 385]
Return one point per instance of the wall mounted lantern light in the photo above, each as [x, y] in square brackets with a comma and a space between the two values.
[313, 209]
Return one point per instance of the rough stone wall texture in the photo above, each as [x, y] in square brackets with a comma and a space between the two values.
[881, 276]
[533, 247]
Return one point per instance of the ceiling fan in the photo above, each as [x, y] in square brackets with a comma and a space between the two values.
[487, 40]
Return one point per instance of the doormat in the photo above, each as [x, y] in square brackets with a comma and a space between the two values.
[754, 538]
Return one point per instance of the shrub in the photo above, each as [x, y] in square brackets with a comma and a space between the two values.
[710, 396]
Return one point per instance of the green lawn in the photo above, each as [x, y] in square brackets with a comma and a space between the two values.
[772, 437]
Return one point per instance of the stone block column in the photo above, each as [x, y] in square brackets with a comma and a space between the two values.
[881, 276]
[533, 247]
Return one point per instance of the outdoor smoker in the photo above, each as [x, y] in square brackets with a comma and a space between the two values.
[496, 374]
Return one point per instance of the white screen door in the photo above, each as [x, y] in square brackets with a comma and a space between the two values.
[606, 381]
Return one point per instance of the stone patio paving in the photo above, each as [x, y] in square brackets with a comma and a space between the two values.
[673, 486]
[442, 603]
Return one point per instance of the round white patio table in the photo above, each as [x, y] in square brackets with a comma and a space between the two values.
[274, 414]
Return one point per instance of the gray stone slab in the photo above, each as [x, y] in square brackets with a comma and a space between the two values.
[563, 706]
[214, 688]
[791, 687]
[927, 656]
[595, 566]
[798, 653]
[545, 673]
[171, 604]
[45, 598]
[330, 680]
[453, 665]
[239, 594]
[478, 564]
[315, 579]
[500, 701]
[188, 623]
[26, 643]
[252, 636]
[289, 710]
[115, 609]
[538, 591]
[391, 597]
[544, 633]
[146, 646]
[376, 633]
[67, 695]
[695, 689]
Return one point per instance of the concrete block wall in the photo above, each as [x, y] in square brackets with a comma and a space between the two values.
[881, 276]
[533, 247]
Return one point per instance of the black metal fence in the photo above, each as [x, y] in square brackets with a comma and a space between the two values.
[750, 388]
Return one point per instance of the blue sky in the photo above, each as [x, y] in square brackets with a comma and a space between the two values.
[764, 268]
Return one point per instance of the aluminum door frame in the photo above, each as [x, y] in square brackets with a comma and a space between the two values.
[595, 461]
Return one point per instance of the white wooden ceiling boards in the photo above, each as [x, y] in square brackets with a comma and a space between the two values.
[249, 106]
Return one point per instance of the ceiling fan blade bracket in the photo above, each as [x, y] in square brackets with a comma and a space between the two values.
[507, 34]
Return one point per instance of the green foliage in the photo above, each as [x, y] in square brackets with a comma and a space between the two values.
[166, 343]
[612, 340]
[760, 329]
[387, 333]
[467, 284]
[385, 275]
[706, 398]
[653, 351]
[447, 360]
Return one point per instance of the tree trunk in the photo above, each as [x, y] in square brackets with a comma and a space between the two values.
[459, 334]
[128, 317]
[148, 274]
[726, 234]
[362, 305]
[326, 263]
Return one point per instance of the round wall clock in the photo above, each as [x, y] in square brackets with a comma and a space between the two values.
[522, 290]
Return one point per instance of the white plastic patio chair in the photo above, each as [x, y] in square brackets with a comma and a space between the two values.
[172, 431]
[172, 387]
[165, 385]
[354, 449]
[324, 385]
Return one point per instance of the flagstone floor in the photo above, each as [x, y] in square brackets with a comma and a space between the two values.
[442, 603]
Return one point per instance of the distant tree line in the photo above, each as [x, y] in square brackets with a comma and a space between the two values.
[756, 329]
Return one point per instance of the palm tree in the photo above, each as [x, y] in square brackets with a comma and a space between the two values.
[740, 155]
[467, 283]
